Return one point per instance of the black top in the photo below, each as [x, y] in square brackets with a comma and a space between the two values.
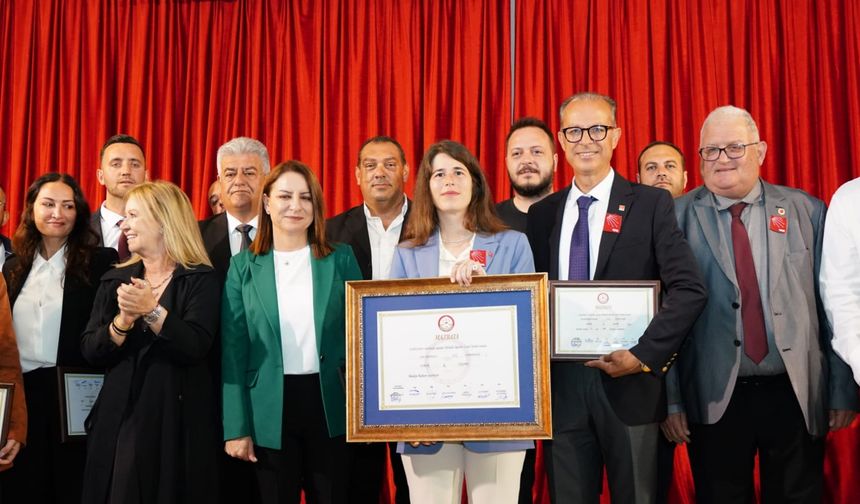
[512, 216]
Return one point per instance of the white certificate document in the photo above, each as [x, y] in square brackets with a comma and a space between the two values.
[599, 320]
[448, 358]
[82, 390]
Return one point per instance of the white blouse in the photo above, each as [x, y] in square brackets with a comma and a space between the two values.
[295, 290]
[447, 260]
[38, 311]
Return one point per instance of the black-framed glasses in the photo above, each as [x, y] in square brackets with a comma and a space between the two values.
[733, 151]
[596, 133]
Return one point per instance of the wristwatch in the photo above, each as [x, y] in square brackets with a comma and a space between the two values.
[153, 316]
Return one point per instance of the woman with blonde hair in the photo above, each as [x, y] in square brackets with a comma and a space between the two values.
[151, 436]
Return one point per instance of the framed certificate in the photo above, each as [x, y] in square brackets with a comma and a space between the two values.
[590, 319]
[79, 389]
[6, 391]
[433, 361]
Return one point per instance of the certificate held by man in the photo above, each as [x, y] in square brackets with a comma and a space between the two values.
[454, 358]
[591, 319]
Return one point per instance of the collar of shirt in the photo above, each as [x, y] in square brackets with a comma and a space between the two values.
[56, 262]
[233, 222]
[110, 217]
[600, 192]
[378, 221]
[754, 197]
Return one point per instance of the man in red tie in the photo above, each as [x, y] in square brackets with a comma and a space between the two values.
[758, 374]
[122, 166]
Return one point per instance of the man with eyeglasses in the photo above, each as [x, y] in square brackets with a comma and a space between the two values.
[5, 243]
[602, 227]
[758, 374]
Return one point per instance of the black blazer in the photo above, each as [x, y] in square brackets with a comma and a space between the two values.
[350, 227]
[7, 245]
[650, 246]
[96, 225]
[216, 239]
[77, 302]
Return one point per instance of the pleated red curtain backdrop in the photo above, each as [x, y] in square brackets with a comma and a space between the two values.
[794, 64]
[311, 79]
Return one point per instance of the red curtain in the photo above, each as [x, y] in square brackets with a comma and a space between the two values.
[313, 79]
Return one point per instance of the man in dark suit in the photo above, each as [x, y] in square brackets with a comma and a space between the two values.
[661, 164]
[758, 374]
[5, 243]
[606, 411]
[243, 164]
[373, 229]
[122, 166]
[531, 161]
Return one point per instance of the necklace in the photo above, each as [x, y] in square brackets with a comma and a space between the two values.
[162, 282]
[450, 242]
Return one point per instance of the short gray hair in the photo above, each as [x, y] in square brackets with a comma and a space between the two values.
[589, 96]
[731, 111]
[243, 145]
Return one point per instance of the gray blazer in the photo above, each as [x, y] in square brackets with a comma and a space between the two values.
[707, 368]
[507, 252]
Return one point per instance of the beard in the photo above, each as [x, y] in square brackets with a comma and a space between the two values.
[532, 190]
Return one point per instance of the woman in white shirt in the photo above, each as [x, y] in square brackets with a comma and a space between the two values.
[52, 281]
[283, 350]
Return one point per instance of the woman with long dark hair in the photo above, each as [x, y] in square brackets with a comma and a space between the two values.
[52, 281]
[453, 231]
[283, 347]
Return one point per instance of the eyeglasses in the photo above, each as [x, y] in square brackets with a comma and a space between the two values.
[733, 151]
[597, 132]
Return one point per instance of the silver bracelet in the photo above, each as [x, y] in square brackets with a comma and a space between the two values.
[153, 316]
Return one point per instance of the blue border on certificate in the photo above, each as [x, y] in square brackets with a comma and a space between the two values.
[521, 299]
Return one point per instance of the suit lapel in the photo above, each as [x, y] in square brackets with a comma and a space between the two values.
[555, 236]
[322, 277]
[427, 257]
[774, 200]
[262, 269]
[708, 217]
[489, 244]
[621, 196]
[356, 225]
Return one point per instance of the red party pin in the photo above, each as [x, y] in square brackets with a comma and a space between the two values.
[612, 223]
[479, 256]
[778, 224]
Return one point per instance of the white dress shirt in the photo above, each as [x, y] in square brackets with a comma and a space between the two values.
[110, 226]
[236, 235]
[840, 273]
[38, 311]
[383, 241]
[295, 289]
[596, 216]
[2, 255]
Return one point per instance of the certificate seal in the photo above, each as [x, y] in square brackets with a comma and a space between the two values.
[603, 298]
[445, 323]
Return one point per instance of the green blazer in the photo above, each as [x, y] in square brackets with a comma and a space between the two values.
[252, 366]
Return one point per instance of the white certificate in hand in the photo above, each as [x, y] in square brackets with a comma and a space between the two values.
[448, 358]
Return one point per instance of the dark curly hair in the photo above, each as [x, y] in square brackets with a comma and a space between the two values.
[80, 244]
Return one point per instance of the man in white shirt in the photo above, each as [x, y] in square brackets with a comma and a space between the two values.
[243, 163]
[122, 166]
[840, 273]
[5, 243]
[373, 229]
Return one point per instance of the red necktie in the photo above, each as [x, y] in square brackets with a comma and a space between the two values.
[752, 314]
[122, 244]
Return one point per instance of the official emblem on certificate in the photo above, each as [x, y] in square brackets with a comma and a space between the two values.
[590, 319]
[431, 360]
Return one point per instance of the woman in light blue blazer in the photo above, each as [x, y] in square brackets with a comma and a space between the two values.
[453, 231]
